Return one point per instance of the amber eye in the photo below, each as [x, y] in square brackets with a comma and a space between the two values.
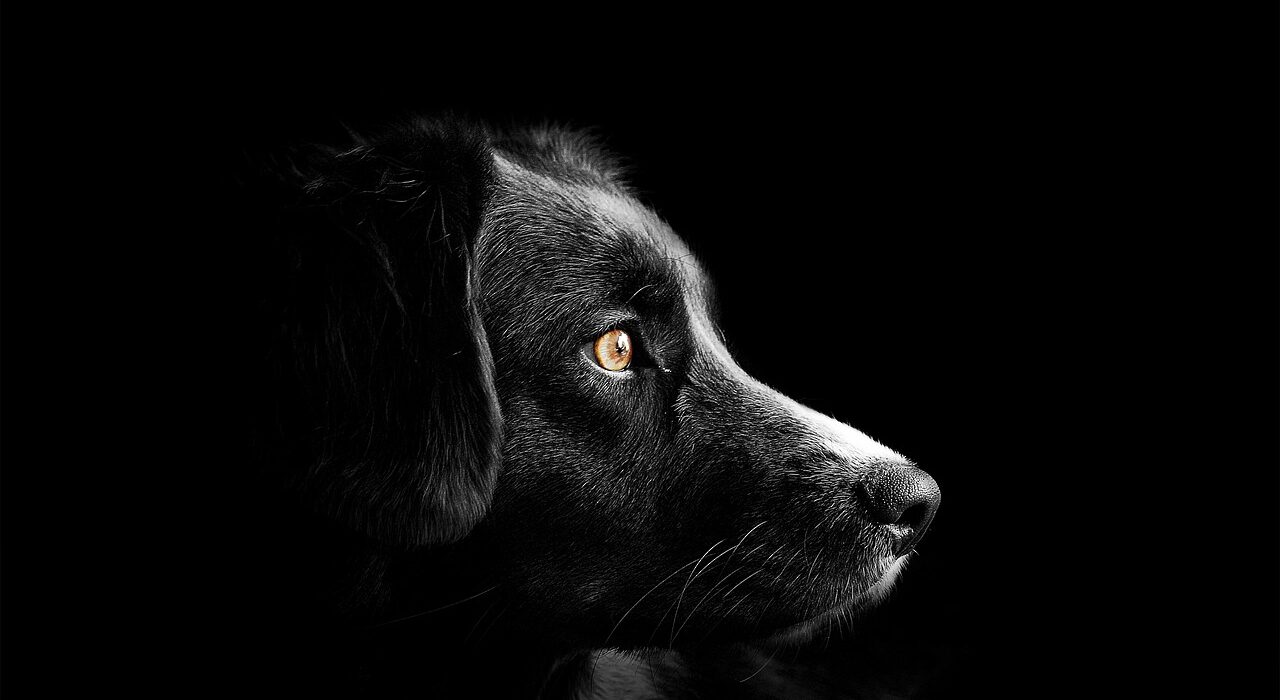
[613, 350]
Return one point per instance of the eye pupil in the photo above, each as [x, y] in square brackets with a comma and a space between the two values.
[613, 350]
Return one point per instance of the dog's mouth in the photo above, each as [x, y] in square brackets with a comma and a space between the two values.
[841, 614]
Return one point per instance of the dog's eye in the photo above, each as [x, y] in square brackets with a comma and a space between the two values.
[613, 350]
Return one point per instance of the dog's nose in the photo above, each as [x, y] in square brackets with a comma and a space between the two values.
[906, 497]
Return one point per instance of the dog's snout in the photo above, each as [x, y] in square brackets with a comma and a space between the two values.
[905, 497]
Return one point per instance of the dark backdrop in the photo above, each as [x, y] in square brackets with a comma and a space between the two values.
[1010, 249]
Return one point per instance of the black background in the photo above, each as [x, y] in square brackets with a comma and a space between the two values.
[1036, 254]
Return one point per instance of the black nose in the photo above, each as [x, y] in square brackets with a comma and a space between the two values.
[906, 497]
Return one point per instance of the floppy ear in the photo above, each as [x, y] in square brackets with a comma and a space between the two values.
[397, 421]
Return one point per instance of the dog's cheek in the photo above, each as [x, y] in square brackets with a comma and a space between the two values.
[574, 507]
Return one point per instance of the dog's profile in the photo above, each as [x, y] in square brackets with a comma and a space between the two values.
[500, 430]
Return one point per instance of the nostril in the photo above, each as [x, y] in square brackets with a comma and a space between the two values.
[914, 516]
[905, 497]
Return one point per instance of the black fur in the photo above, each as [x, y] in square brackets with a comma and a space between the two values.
[386, 365]
[462, 498]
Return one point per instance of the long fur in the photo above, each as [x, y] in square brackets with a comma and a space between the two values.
[388, 368]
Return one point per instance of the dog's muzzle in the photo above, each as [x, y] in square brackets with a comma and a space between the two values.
[904, 499]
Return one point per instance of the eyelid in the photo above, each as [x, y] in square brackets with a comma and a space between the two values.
[614, 322]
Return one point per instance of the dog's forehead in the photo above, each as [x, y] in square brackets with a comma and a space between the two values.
[586, 228]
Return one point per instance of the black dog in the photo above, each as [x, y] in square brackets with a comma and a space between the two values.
[502, 431]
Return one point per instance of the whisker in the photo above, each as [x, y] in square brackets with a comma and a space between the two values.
[784, 568]
[436, 610]
[480, 619]
[493, 623]
[704, 599]
[726, 577]
[728, 593]
[637, 292]
[754, 549]
[735, 586]
[744, 539]
[774, 553]
[766, 663]
[692, 574]
[765, 609]
[646, 595]
[774, 599]
[724, 616]
[732, 551]
[809, 578]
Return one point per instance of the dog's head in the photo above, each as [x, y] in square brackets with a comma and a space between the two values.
[488, 332]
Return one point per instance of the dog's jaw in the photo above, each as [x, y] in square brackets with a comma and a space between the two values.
[841, 613]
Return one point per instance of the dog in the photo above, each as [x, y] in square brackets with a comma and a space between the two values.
[500, 431]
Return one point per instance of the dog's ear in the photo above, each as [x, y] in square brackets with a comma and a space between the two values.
[388, 376]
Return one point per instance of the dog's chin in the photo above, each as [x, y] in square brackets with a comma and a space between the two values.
[840, 613]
